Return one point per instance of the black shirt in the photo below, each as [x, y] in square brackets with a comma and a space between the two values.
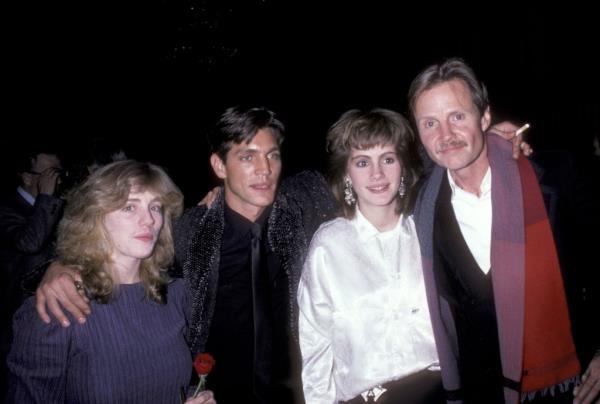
[231, 336]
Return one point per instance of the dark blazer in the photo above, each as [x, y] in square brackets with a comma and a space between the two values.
[27, 232]
[302, 203]
[27, 235]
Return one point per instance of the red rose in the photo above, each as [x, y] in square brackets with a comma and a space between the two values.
[204, 363]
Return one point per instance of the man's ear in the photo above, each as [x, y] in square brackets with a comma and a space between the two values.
[486, 120]
[218, 166]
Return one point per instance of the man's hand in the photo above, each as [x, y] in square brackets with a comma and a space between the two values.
[589, 389]
[508, 131]
[57, 291]
[48, 181]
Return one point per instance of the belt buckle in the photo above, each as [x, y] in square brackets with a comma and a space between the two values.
[372, 395]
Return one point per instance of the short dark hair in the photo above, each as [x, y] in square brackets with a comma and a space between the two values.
[450, 69]
[363, 130]
[27, 158]
[240, 124]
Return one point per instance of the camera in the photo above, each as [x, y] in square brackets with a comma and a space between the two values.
[63, 174]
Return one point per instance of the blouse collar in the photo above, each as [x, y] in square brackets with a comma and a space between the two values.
[366, 230]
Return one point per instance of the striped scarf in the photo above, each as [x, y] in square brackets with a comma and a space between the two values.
[536, 345]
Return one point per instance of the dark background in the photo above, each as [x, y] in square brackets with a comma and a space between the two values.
[153, 76]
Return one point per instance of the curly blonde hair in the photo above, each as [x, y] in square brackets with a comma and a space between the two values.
[82, 238]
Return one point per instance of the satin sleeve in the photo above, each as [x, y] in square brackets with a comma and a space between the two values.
[316, 329]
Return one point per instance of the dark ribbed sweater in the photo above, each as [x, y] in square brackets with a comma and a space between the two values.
[131, 350]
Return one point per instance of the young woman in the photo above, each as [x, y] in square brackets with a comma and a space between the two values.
[117, 232]
[365, 330]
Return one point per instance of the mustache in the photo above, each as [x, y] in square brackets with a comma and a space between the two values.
[443, 146]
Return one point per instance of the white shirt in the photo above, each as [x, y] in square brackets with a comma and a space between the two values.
[474, 215]
[364, 318]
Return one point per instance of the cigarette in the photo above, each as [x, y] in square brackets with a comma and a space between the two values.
[522, 129]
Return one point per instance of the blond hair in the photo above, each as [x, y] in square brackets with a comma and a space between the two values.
[84, 243]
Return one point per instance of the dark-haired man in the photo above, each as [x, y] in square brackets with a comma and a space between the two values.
[242, 259]
[28, 220]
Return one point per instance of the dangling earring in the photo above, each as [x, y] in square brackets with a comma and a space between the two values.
[402, 188]
[348, 195]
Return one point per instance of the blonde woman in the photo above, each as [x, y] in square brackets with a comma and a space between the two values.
[117, 232]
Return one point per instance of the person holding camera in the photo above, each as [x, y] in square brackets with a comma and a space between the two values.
[28, 220]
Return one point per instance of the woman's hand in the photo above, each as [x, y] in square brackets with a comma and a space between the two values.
[210, 197]
[589, 389]
[514, 134]
[205, 397]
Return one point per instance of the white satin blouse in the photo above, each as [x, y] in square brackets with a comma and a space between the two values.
[364, 318]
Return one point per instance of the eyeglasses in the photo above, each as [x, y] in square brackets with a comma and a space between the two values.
[61, 172]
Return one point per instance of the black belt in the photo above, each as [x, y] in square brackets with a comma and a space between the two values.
[421, 387]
